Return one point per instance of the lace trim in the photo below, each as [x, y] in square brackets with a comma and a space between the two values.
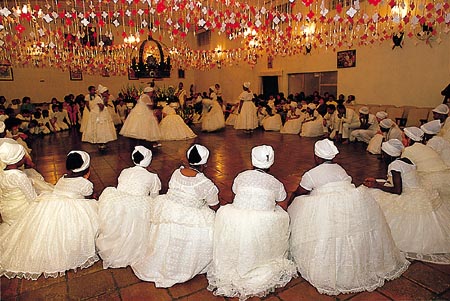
[389, 276]
[34, 276]
[439, 258]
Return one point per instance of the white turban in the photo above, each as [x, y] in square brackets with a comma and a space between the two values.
[325, 149]
[247, 85]
[2, 127]
[11, 153]
[293, 104]
[364, 110]
[101, 89]
[441, 109]
[86, 160]
[146, 153]
[263, 156]
[148, 89]
[393, 147]
[381, 115]
[432, 127]
[311, 106]
[212, 88]
[414, 133]
[202, 154]
[386, 123]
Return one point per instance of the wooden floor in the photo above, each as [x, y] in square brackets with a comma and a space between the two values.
[230, 154]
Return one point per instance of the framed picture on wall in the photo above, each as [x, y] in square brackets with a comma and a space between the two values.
[76, 74]
[132, 74]
[180, 73]
[346, 59]
[6, 72]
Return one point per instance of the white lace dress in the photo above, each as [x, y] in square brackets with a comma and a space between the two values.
[251, 239]
[293, 126]
[340, 240]
[181, 232]
[56, 234]
[141, 123]
[213, 119]
[272, 123]
[16, 195]
[247, 118]
[173, 127]
[124, 215]
[419, 218]
[99, 127]
[442, 147]
[312, 126]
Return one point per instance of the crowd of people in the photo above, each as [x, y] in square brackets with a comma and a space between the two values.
[340, 238]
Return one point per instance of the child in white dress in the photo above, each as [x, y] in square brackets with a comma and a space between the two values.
[172, 126]
[182, 223]
[124, 213]
[57, 233]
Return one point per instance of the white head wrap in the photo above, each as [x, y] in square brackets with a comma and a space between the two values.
[11, 153]
[325, 149]
[2, 127]
[381, 115]
[202, 151]
[432, 127]
[293, 104]
[364, 110]
[441, 109]
[144, 152]
[148, 89]
[101, 89]
[263, 156]
[386, 123]
[393, 147]
[212, 88]
[311, 106]
[414, 133]
[86, 160]
[246, 85]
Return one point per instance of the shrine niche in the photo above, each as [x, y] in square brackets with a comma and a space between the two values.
[152, 63]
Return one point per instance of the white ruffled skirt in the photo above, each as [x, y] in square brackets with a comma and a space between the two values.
[141, 124]
[341, 241]
[173, 128]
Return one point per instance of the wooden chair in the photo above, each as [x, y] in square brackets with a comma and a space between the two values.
[396, 114]
[416, 116]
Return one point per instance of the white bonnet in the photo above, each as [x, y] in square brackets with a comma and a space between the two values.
[197, 154]
[246, 85]
[11, 153]
[364, 110]
[393, 147]
[381, 115]
[386, 123]
[85, 158]
[148, 89]
[441, 109]
[325, 149]
[101, 89]
[263, 156]
[311, 106]
[146, 153]
[432, 127]
[414, 133]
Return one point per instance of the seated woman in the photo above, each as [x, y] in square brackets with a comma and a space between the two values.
[251, 236]
[340, 240]
[124, 213]
[388, 130]
[418, 217]
[437, 143]
[17, 192]
[213, 118]
[313, 123]
[172, 126]
[272, 122]
[57, 233]
[182, 223]
[294, 120]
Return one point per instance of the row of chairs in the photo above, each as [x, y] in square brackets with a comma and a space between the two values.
[404, 116]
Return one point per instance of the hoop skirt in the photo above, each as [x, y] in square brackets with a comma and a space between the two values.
[173, 127]
[99, 128]
[312, 128]
[213, 119]
[141, 124]
[341, 242]
[292, 126]
[56, 234]
[272, 123]
[247, 118]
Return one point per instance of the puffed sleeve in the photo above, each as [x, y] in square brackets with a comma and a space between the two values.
[307, 182]
[281, 195]
[209, 192]
[86, 187]
[25, 185]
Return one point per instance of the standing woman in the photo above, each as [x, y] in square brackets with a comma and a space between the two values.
[340, 240]
[141, 123]
[247, 118]
[213, 119]
[100, 127]
[251, 235]
[182, 223]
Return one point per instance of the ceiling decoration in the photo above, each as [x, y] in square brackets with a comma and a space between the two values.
[105, 34]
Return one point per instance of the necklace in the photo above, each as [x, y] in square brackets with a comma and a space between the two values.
[260, 170]
[195, 169]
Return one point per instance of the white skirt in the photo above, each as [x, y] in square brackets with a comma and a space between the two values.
[420, 222]
[99, 128]
[247, 119]
[312, 128]
[54, 235]
[341, 241]
[250, 252]
[124, 227]
[213, 120]
[292, 126]
[141, 124]
[173, 128]
[374, 146]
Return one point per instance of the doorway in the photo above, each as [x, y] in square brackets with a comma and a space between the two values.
[270, 86]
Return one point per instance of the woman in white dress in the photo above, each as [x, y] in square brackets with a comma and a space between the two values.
[272, 122]
[247, 118]
[340, 240]
[17, 192]
[124, 213]
[57, 233]
[312, 125]
[213, 118]
[294, 120]
[251, 235]
[418, 217]
[182, 222]
[141, 123]
[439, 144]
[100, 127]
[172, 126]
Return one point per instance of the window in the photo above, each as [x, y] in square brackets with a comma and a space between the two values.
[203, 37]
[314, 81]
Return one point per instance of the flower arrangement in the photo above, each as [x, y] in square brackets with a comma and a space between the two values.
[131, 93]
[166, 94]
[187, 113]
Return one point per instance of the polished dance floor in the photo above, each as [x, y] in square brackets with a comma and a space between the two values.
[230, 154]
